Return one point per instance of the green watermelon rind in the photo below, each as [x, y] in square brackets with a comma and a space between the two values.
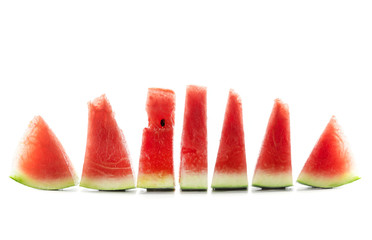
[230, 181]
[265, 179]
[189, 181]
[154, 181]
[108, 184]
[326, 182]
[43, 185]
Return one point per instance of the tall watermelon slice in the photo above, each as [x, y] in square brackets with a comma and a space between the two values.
[41, 162]
[107, 163]
[156, 158]
[230, 171]
[330, 164]
[194, 164]
[274, 168]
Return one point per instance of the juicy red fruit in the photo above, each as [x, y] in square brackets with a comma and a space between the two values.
[327, 158]
[275, 155]
[156, 159]
[44, 157]
[106, 153]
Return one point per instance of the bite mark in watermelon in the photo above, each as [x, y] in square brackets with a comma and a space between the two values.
[274, 168]
[41, 162]
[156, 158]
[230, 171]
[331, 163]
[107, 164]
[194, 164]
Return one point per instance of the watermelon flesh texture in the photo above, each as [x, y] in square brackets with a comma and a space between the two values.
[194, 164]
[274, 168]
[331, 163]
[41, 162]
[230, 171]
[156, 158]
[107, 164]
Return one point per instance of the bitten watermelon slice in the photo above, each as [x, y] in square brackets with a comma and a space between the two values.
[330, 164]
[274, 168]
[194, 165]
[156, 159]
[41, 161]
[230, 171]
[107, 163]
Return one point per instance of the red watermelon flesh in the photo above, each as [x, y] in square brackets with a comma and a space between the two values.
[331, 163]
[107, 164]
[194, 164]
[41, 162]
[156, 158]
[231, 168]
[274, 168]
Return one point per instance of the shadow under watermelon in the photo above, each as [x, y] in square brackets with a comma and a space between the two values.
[271, 190]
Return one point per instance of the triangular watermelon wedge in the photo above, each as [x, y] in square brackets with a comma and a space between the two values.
[274, 168]
[41, 162]
[156, 158]
[230, 171]
[194, 146]
[331, 163]
[107, 164]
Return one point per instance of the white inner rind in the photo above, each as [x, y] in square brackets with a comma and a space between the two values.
[326, 181]
[155, 181]
[194, 181]
[108, 183]
[267, 179]
[232, 180]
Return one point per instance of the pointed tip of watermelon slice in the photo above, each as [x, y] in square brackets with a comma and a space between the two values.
[100, 103]
[280, 103]
[36, 121]
[234, 94]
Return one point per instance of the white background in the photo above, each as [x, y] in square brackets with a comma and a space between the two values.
[55, 56]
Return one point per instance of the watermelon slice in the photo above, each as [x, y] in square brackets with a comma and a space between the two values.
[156, 159]
[107, 163]
[230, 171]
[274, 168]
[41, 161]
[194, 165]
[330, 164]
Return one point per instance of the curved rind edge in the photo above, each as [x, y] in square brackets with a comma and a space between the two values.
[39, 185]
[330, 185]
